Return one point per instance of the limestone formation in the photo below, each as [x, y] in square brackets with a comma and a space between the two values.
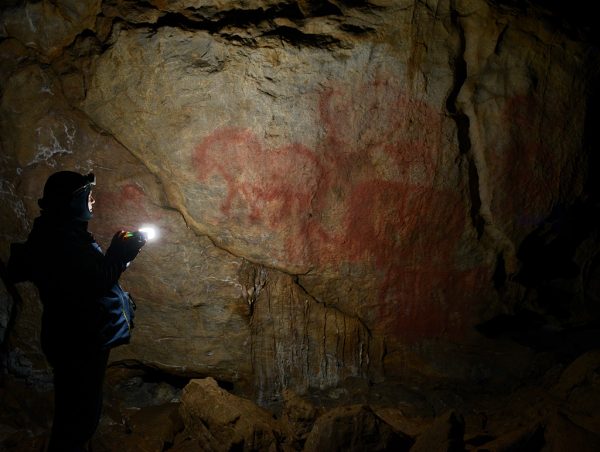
[349, 194]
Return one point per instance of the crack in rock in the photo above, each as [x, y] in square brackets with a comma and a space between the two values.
[472, 146]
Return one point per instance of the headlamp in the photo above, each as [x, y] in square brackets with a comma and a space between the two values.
[89, 179]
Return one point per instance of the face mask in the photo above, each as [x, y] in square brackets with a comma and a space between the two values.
[78, 206]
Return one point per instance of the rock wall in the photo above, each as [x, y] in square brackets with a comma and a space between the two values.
[342, 188]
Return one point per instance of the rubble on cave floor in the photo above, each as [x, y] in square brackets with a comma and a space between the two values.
[141, 413]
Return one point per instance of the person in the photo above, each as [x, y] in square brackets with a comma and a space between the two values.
[85, 311]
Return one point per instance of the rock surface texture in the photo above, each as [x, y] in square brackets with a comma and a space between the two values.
[354, 198]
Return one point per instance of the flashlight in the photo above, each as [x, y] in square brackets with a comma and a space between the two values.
[148, 232]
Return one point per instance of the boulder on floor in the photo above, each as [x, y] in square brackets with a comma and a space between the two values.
[216, 420]
[354, 428]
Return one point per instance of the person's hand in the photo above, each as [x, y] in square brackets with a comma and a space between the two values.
[126, 245]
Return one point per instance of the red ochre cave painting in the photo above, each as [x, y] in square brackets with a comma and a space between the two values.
[367, 195]
[271, 184]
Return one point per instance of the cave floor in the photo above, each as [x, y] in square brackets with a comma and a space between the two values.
[552, 408]
[554, 412]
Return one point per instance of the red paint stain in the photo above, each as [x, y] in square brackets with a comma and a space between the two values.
[132, 194]
[429, 302]
[368, 194]
[365, 120]
[422, 293]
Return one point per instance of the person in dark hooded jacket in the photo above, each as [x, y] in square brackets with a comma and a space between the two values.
[85, 310]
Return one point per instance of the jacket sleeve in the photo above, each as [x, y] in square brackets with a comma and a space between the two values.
[95, 271]
[108, 273]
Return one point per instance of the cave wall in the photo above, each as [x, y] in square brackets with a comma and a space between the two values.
[342, 188]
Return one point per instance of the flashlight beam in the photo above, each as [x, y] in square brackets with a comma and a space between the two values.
[149, 231]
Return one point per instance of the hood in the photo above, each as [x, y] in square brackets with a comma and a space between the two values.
[66, 195]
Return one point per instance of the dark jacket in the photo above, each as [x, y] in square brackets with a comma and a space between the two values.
[85, 309]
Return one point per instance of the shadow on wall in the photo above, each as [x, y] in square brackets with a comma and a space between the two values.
[561, 273]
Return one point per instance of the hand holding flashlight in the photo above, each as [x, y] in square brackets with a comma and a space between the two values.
[133, 236]
[125, 246]
[148, 233]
